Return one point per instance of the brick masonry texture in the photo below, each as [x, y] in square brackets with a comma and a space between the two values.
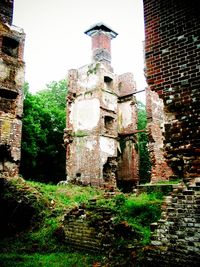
[172, 54]
[160, 170]
[176, 236]
[91, 228]
[11, 98]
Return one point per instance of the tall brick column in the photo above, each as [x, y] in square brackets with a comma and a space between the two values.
[172, 53]
[11, 83]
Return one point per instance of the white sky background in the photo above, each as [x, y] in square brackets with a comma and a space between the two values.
[55, 39]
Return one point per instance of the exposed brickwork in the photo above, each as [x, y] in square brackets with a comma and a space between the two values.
[11, 99]
[86, 228]
[176, 236]
[127, 85]
[160, 170]
[101, 42]
[91, 133]
[101, 111]
[172, 53]
[92, 228]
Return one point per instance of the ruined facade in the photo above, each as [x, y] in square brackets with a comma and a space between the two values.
[11, 99]
[172, 54]
[101, 119]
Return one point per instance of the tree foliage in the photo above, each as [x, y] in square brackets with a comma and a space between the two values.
[43, 153]
[145, 164]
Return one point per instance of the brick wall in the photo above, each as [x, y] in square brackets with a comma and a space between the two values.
[85, 229]
[102, 41]
[172, 54]
[92, 228]
[160, 170]
[176, 236]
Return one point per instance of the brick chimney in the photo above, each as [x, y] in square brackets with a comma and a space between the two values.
[6, 11]
[101, 36]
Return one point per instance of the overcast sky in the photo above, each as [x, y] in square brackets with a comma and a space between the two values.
[55, 39]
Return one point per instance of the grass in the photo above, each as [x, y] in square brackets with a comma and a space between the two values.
[42, 244]
[137, 211]
[41, 236]
[70, 259]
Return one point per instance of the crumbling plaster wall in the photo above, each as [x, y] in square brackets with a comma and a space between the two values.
[11, 98]
[91, 123]
[101, 116]
[128, 157]
[97, 114]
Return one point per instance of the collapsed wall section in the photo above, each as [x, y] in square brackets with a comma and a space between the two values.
[172, 54]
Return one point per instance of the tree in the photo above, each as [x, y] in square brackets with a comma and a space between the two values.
[145, 164]
[43, 153]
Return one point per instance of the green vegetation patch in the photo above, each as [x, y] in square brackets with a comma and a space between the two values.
[44, 233]
[43, 241]
[138, 211]
[70, 259]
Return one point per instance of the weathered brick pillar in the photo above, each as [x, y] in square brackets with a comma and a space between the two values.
[172, 53]
[128, 158]
[11, 99]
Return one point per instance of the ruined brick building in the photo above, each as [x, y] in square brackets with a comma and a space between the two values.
[101, 119]
[11, 82]
[172, 53]
[106, 142]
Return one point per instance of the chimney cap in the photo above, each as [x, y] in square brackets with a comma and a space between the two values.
[100, 27]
